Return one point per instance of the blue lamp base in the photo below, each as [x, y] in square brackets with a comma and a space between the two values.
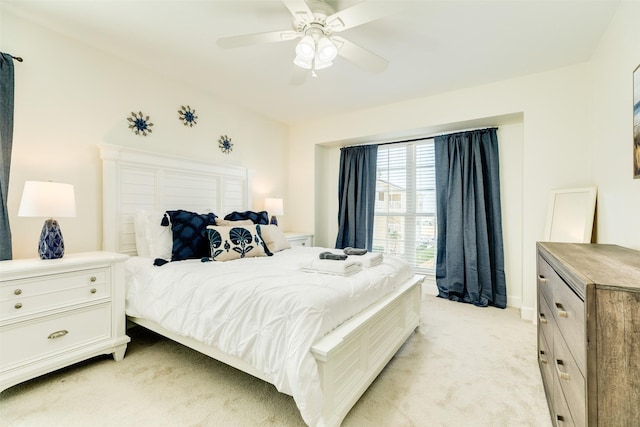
[51, 245]
[274, 220]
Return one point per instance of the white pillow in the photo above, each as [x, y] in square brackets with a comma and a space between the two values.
[274, 238]
[152, 239]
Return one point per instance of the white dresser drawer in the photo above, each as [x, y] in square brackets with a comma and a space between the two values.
[25, 296]
[23, 342]
[299, 239]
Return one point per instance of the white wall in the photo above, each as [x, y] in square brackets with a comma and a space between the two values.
[69, 98]
[618, 217]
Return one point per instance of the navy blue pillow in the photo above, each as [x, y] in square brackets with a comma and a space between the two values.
[189, 229]
[257, 217]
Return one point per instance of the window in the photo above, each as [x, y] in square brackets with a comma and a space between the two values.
[405, 211]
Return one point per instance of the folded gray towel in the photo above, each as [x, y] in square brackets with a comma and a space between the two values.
[354, 251]
[329, 255]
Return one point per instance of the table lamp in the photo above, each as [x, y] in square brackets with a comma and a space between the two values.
[274, 207]
[49, 200]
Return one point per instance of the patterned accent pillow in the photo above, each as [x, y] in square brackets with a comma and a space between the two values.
[261, 217]
[189, 230]
[227, 243]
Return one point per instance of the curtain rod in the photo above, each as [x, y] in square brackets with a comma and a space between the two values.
[422, 138]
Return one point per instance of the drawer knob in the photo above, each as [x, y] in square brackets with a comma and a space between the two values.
[93, 290]
[542, 279]
[58, 334]
[542, 357]
[542, 318]
[561, 311]
[18, 305]
[17, 292]
[561, 374]
[93, 279]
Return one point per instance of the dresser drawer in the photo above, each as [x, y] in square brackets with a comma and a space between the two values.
[545, 285]
[20, 297]
[545, 318]
[561, 414]
[23, 342]
[568, 312]
[546, 364]
[571, 380]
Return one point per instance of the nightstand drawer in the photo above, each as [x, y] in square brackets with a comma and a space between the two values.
[32, 340]
[20, 297]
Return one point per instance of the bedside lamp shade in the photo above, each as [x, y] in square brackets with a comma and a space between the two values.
[274, 207]
[48, 200]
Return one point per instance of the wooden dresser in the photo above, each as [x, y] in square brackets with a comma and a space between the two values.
[589, 333]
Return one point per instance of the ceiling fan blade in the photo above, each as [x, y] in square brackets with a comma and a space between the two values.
[361, 13]
[299, 9]
[257, 38]
[360, 56]
[299, 76]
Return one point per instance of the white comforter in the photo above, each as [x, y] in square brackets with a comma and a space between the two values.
[264, 310]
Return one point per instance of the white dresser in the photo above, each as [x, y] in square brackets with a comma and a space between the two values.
[54, 313]
[299, 239]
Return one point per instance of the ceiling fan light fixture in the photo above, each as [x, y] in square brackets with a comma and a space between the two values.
[327, 51]
[319, 65]
[306, 48]
[303, 63]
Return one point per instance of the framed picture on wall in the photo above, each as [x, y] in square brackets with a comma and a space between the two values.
[636, 122]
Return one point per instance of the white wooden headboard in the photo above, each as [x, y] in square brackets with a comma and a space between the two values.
[134, 180]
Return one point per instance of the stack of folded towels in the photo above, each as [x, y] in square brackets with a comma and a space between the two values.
[349, 262]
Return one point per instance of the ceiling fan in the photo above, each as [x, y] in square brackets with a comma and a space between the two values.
[316, 24]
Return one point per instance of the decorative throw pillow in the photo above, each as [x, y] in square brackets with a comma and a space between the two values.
[152, 239]
[274, 238]
[227, 243]
[261, 217]
[225, 222]
[189, 231]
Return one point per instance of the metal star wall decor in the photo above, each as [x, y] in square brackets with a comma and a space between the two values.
[188, 116]
[139, 124]
[225, 144]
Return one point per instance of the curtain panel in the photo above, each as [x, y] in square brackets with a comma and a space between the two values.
[356, 196]
[6, 141]
[470, 253]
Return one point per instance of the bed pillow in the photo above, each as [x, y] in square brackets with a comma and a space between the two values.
[235, 242]
[225, 222]
[189, 232]
[274, 238]
[152, 239]
[261, 217]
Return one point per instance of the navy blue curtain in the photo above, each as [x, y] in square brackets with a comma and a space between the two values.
[470, 254]
[356, 196]
[6, 141]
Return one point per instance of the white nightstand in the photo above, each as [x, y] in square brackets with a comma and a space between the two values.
[299, 239]
[54, 313]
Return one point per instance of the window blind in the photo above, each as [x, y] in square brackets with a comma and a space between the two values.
[405, 210]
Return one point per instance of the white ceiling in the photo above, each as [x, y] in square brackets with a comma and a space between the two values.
[432, 46]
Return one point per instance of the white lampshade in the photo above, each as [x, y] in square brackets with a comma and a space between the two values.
[303, 63]
[48, 200]
[274, 206]
[306, 48]
[327, 51]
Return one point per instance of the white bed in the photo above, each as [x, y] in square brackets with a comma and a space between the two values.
[337, 364]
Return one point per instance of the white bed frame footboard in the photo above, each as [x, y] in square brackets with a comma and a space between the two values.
[349, 358]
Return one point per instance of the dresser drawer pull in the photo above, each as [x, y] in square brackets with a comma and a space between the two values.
[93, 290]
[561, 311]
[542, 318]
[93, 279]
[58, 334]
[18, 305]
[542, 358]
[17, 292]
[542, 279]
[562, 375]
[560, 418]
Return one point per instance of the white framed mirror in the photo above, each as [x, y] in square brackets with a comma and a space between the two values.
[570, 215]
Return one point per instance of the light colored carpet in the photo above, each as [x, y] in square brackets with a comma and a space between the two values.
[465, 366]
